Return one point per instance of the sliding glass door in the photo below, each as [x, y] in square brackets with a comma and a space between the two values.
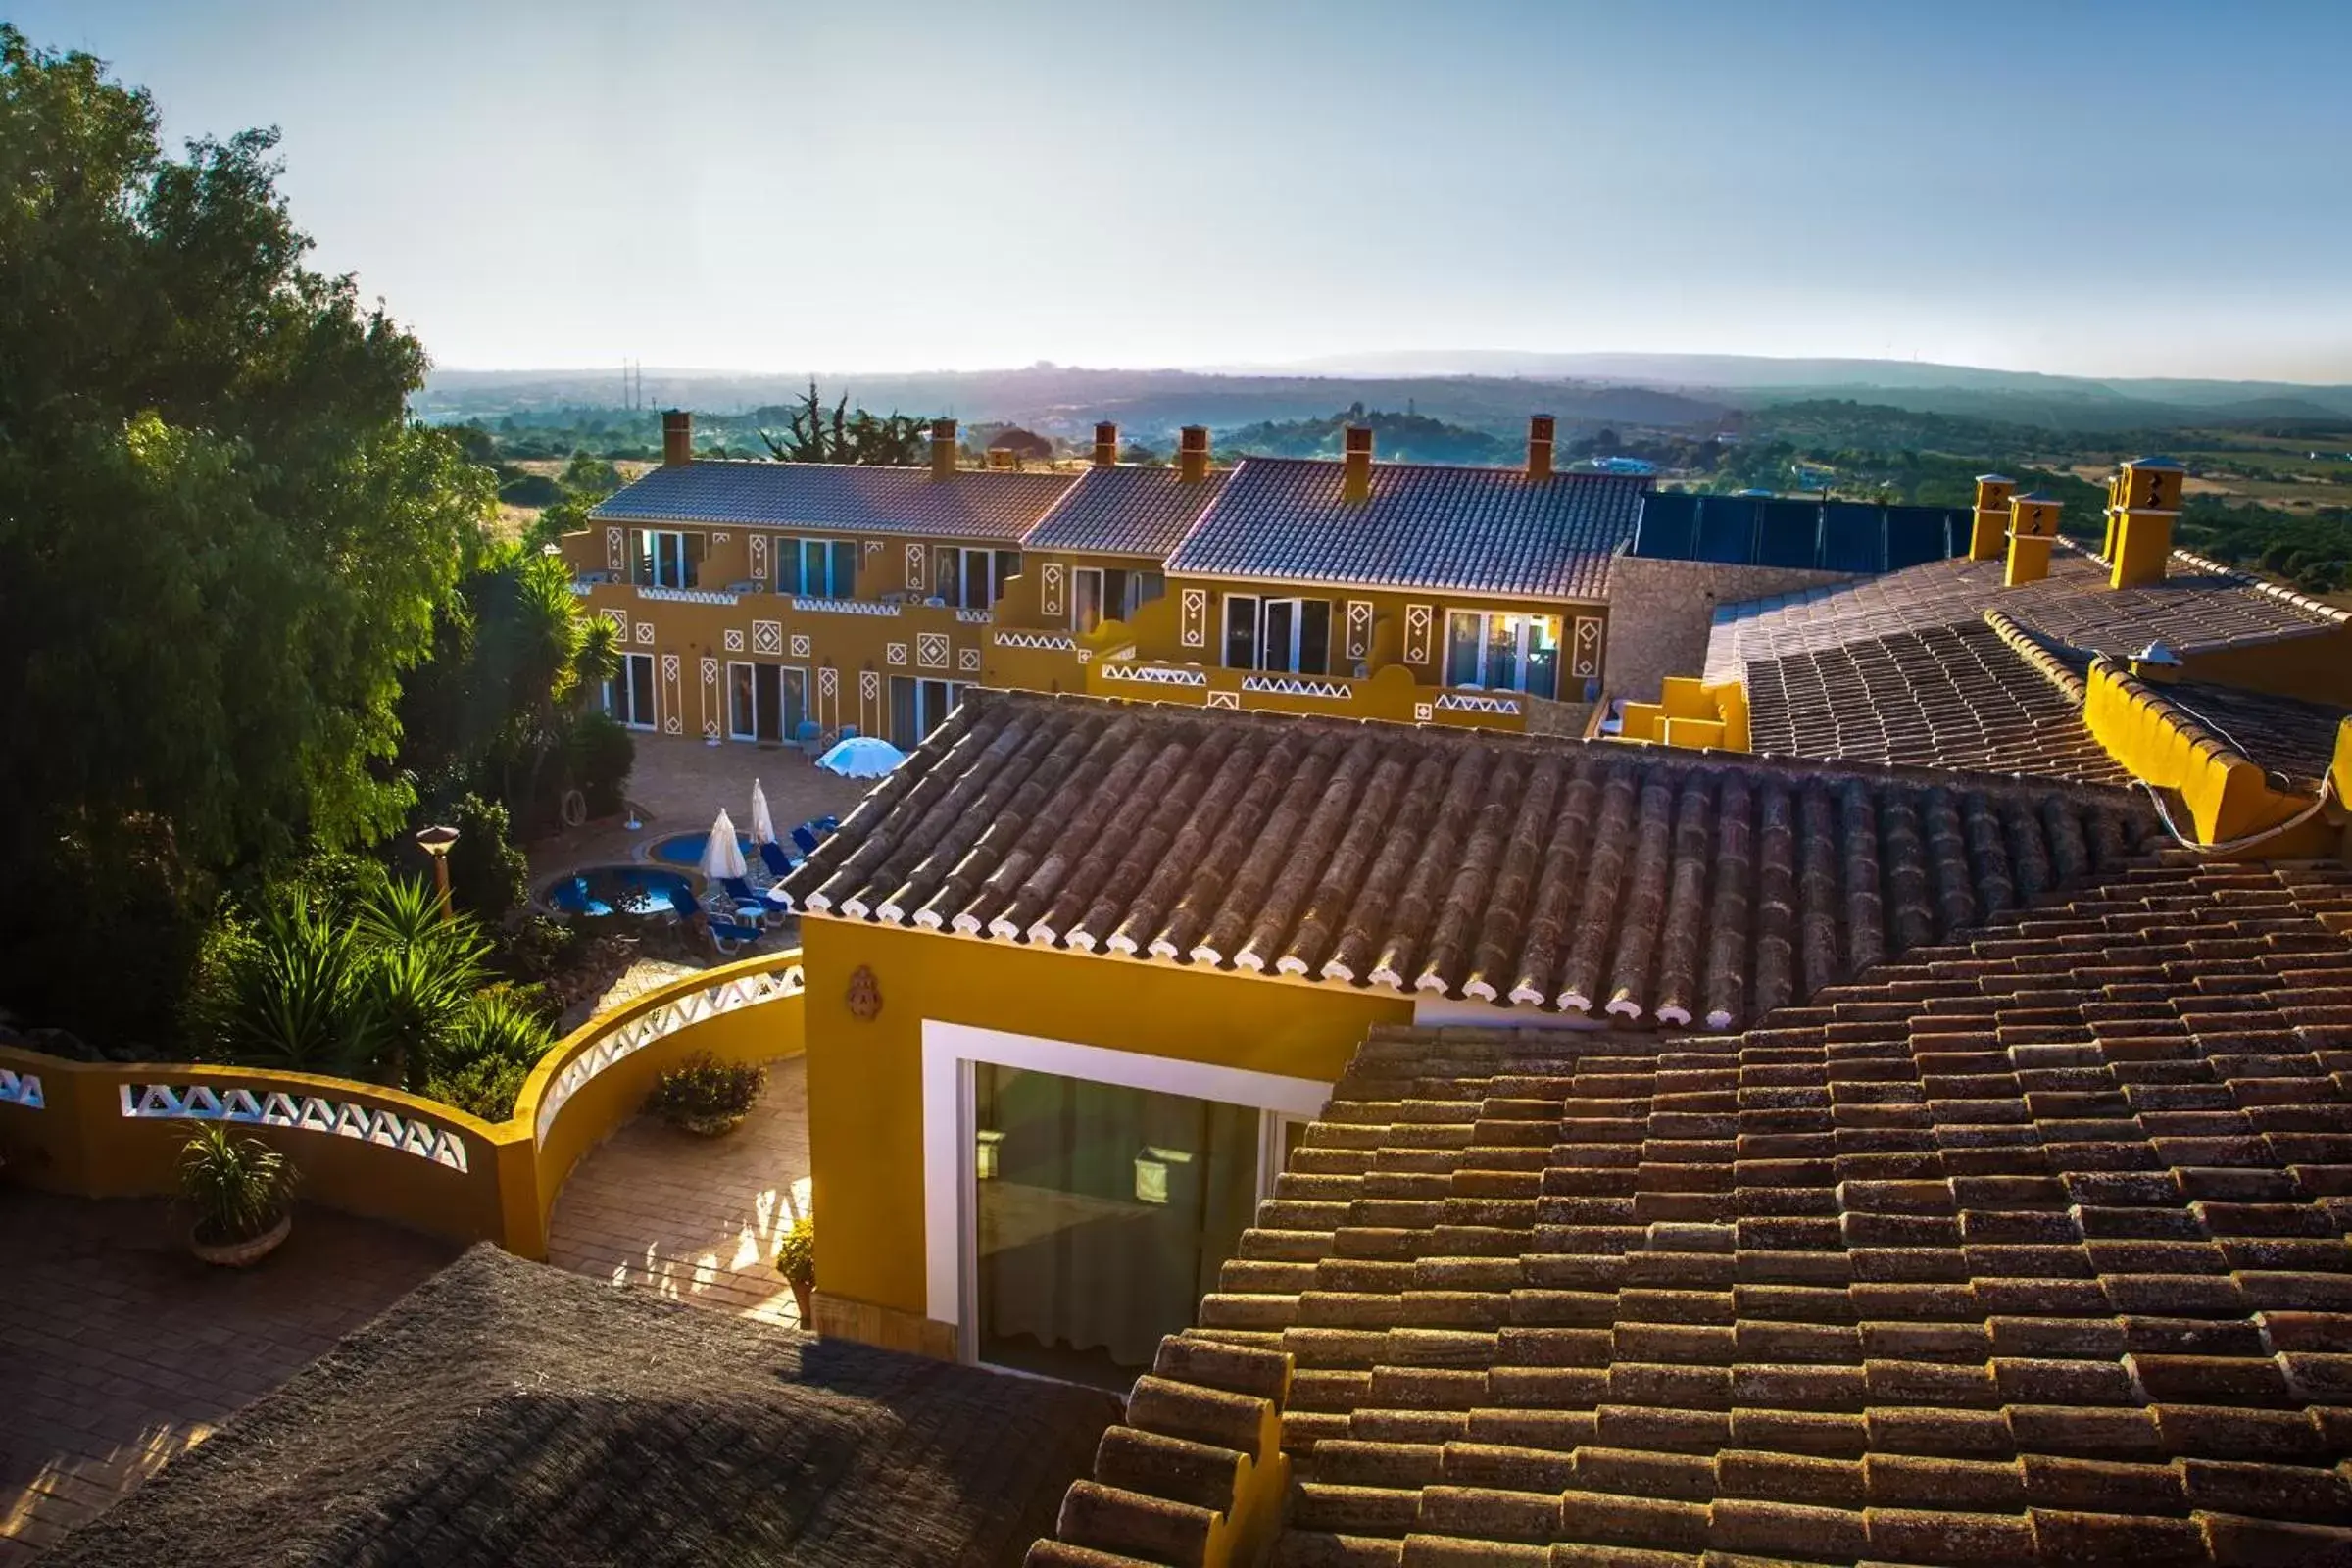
[1102, 1214]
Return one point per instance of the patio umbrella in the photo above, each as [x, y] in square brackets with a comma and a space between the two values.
[723, 857]
[763, 826]
[862, 757]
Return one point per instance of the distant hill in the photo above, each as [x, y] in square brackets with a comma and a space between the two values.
[1065, 400]
[1395, 437]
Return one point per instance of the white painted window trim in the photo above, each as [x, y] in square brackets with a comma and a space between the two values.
[1525, 621]
[734, 734]
[948, 1051]
[620, 683]
[1102, 608]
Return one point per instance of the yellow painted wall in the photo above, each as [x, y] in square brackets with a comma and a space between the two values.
[80, 1142]
[2226, 794]
[2318, 668]
[865, 1077]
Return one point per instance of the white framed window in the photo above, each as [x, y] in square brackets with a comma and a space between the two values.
[661, 557]
[1289, 636]
[1493, 650]
[818, 568]
[1111, 593]
[1079, 1200]
[971, 578]
[629, 693]
[766, 703]
[919, 705]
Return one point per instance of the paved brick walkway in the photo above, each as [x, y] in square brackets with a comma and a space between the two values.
[696, 1218]
[118, 1349]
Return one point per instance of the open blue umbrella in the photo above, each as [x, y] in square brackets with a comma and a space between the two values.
[862, 756]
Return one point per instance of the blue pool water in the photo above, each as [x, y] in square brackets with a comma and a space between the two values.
[686, 849]
[631, 889]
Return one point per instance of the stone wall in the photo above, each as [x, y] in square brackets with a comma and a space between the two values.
[1660, 610]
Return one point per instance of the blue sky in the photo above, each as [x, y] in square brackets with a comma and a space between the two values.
[2095, 189]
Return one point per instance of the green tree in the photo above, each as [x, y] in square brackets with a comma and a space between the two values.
[815, 434]
[221, 540]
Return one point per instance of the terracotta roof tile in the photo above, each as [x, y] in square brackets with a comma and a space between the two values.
[1428, 527]
[1579, 876]
[976, 504]
[2038, 1308]
[1125, 511]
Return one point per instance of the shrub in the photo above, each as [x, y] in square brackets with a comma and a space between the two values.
[487, 1088]
[530, 490]
[540, 947]
[703, 1090]
[602, 754]
[796, 1257]
[488, 1051]
[488, 877]
[238, 1187]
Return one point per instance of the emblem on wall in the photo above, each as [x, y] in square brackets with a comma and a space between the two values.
[1224, 700]
[915, 567]
[645, 632]
[897, 653]
[1049, 589]
[799, 645]
[759, 556]
[969, 661]
[619, 619]
[673, 697]
[615, 544]
[1359, 628]
[865, 995]
[931, 650]
[869, 684]
[710, 696]
[734, 639]
[767, 636]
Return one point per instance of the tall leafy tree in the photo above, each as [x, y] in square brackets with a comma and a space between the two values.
[815, 435]
[221, 539]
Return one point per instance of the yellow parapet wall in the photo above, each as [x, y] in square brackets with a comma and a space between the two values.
[2226, 794]
[1690, 713]
[104, 1130]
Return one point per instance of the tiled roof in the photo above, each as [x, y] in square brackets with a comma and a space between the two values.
[1855, 536]
[842, 498]
[1444, 528]
[1590, 876]
[2025, 1247]
[2283, 735]
[505, 1414]
[1962, 695]
[2199, 606]
[1125, 510]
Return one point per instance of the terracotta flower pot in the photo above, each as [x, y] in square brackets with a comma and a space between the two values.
[243, 1253]
[802, 1304]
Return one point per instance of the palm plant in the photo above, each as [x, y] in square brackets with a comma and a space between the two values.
[422, 970]
[238, 1187]
[289, 991]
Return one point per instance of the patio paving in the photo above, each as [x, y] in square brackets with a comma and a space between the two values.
[696, 1219]
[121, 1350]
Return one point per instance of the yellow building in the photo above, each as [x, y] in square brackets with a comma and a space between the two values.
[790, 602]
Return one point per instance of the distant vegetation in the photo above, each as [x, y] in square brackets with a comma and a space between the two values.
[1395, 437]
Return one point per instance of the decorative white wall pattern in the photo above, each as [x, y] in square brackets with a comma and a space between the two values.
[734, 639]
[615, 550]
[645, 632]
[1417, 619]
[619, 619]
[767, 636]
[673, 697]
[627, 1038]
[758, 550]
[310, 1113]
[1196, 617]
[1298, 686]
[1585, 659]
[799, 645]
[687, 596]
[931, 650]
[915, 567]
[709, 696]
[1476, 702]
[1224, 700]
[1154, 674]
[897, 653]
[967, 659]
[1052, 642]
[1359, 628]
[1049, 589]
[21, 1089]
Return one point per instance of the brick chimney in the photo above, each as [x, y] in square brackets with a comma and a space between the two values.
[1107, 445]
[1540, 433]
[1192, 454]
[677, 438]
[2033, 526]
[1355, 470]
[1991, 522]
[943, 449]
[1004, 458]
[2146, 498]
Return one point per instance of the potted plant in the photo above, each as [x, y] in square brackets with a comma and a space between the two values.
[707, 1097]
[241, 1191]
[796, 1260]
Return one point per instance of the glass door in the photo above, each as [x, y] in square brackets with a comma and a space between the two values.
[1100, 1215]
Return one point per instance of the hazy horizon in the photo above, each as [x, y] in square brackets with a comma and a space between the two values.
[2102, 190]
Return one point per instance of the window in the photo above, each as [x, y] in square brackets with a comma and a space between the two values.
[918, 706]
[971, 579]
[765, 702]
[1503, 652]
[1111, 593]
[630, 695]
[1289, 636]
[818, 568]
[660, 558]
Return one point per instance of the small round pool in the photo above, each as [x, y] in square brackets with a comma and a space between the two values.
[619, 888]
[686, 849]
